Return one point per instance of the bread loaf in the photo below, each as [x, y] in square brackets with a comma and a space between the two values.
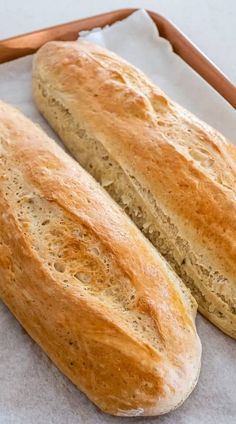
[174, 175]
[84, 282]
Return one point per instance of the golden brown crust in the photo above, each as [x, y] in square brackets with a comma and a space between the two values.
[186, 166]
[54, 218]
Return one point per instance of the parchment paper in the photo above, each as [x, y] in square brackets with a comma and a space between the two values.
[32, 390]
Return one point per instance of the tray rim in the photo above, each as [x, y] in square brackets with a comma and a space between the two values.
[24, 44]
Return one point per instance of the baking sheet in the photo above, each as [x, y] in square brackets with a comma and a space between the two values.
[32, 390]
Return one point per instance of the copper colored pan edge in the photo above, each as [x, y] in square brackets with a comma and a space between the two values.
[23, 45]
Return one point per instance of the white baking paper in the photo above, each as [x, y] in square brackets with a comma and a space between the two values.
[32, 390]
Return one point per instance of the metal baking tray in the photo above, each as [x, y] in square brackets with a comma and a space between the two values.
[22, 45]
